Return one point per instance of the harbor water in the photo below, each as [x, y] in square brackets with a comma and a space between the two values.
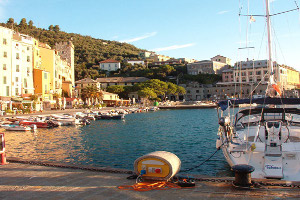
[190, 134]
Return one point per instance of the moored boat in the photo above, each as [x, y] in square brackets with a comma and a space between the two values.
[265, 135]
[16, 128]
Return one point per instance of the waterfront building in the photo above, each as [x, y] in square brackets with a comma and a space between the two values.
[228, 75]
[256, 71]
[111, 99]
[22, 68]
[86, 82]
[61, 72]
[5, 63]
[125, 81]
[66, 52]
[73, 102]
[110, 65]
[194, 91]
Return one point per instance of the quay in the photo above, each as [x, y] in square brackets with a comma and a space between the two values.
[21, 179]
[188, 106]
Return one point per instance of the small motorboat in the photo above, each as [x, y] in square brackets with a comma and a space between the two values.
[16, 128]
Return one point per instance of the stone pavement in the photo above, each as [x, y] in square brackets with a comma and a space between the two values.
[26, 181]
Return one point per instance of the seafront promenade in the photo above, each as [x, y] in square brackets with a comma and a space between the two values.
[33, 181]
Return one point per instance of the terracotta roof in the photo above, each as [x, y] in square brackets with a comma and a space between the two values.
[110, 61]
[86, 80]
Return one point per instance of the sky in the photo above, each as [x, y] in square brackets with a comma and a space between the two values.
[199, 29]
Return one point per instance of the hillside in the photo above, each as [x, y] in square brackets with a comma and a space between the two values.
[88, 51]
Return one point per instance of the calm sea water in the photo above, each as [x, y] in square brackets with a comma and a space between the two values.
[190, 134]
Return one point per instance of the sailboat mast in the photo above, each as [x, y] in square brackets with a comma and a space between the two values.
[270, 63]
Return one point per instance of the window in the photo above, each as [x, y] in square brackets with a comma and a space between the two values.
[25, 83]
[46, 91]
[258, 73]
[4, 41]
[16, 91]
[7, 91]
[17, 56]
[4, 66]
[28, 48]
[17, 79]
[197, 91]
[26, 91]
[250, 73]
[46, 76]
[265, 72]
[17, 68]
[5, 54]
[28, 58]
[4, 79]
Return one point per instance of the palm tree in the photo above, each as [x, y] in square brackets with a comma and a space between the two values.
[91, 92]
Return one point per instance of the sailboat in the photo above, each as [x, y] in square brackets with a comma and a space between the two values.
[266, 137]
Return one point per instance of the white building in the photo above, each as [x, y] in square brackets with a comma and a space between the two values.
[110, 65]
[133, 62]
[5, 61]
[22, 68]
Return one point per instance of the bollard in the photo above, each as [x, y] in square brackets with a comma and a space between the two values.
[242, 175]
[3, 159]
[2, 149]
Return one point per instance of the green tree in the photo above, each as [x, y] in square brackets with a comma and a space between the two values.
[50, 28]
[118, 89]
[147, 93]
[56, 28]
[10, 23]
[91, 92]
[30, 24]
[23, 24]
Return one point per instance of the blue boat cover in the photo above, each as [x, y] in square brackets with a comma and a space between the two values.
[263, 101]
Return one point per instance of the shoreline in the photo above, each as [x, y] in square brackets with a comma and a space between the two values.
[72, 111]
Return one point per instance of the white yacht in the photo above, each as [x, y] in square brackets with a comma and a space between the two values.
[265, 136]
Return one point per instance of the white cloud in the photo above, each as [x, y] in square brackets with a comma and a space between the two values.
[223, 12]
[173, 47]
[147, 35]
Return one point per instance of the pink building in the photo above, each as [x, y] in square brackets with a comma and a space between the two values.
[227, 75]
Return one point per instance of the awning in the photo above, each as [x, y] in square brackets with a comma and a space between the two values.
[26, 101]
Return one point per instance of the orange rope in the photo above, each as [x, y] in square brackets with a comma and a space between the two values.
[146, 186]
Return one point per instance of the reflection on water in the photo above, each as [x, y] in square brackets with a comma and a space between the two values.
[190, 134]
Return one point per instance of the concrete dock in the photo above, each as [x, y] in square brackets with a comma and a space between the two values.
[22, 180]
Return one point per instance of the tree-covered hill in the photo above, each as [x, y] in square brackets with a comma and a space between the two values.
[88, 51]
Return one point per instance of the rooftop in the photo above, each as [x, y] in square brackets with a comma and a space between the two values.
[110, 61]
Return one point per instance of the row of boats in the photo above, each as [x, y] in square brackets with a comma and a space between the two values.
[54, 120]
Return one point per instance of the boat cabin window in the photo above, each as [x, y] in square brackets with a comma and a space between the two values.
[271, 124]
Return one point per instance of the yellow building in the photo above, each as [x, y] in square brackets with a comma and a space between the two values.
[292, 77]
[86, 82]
